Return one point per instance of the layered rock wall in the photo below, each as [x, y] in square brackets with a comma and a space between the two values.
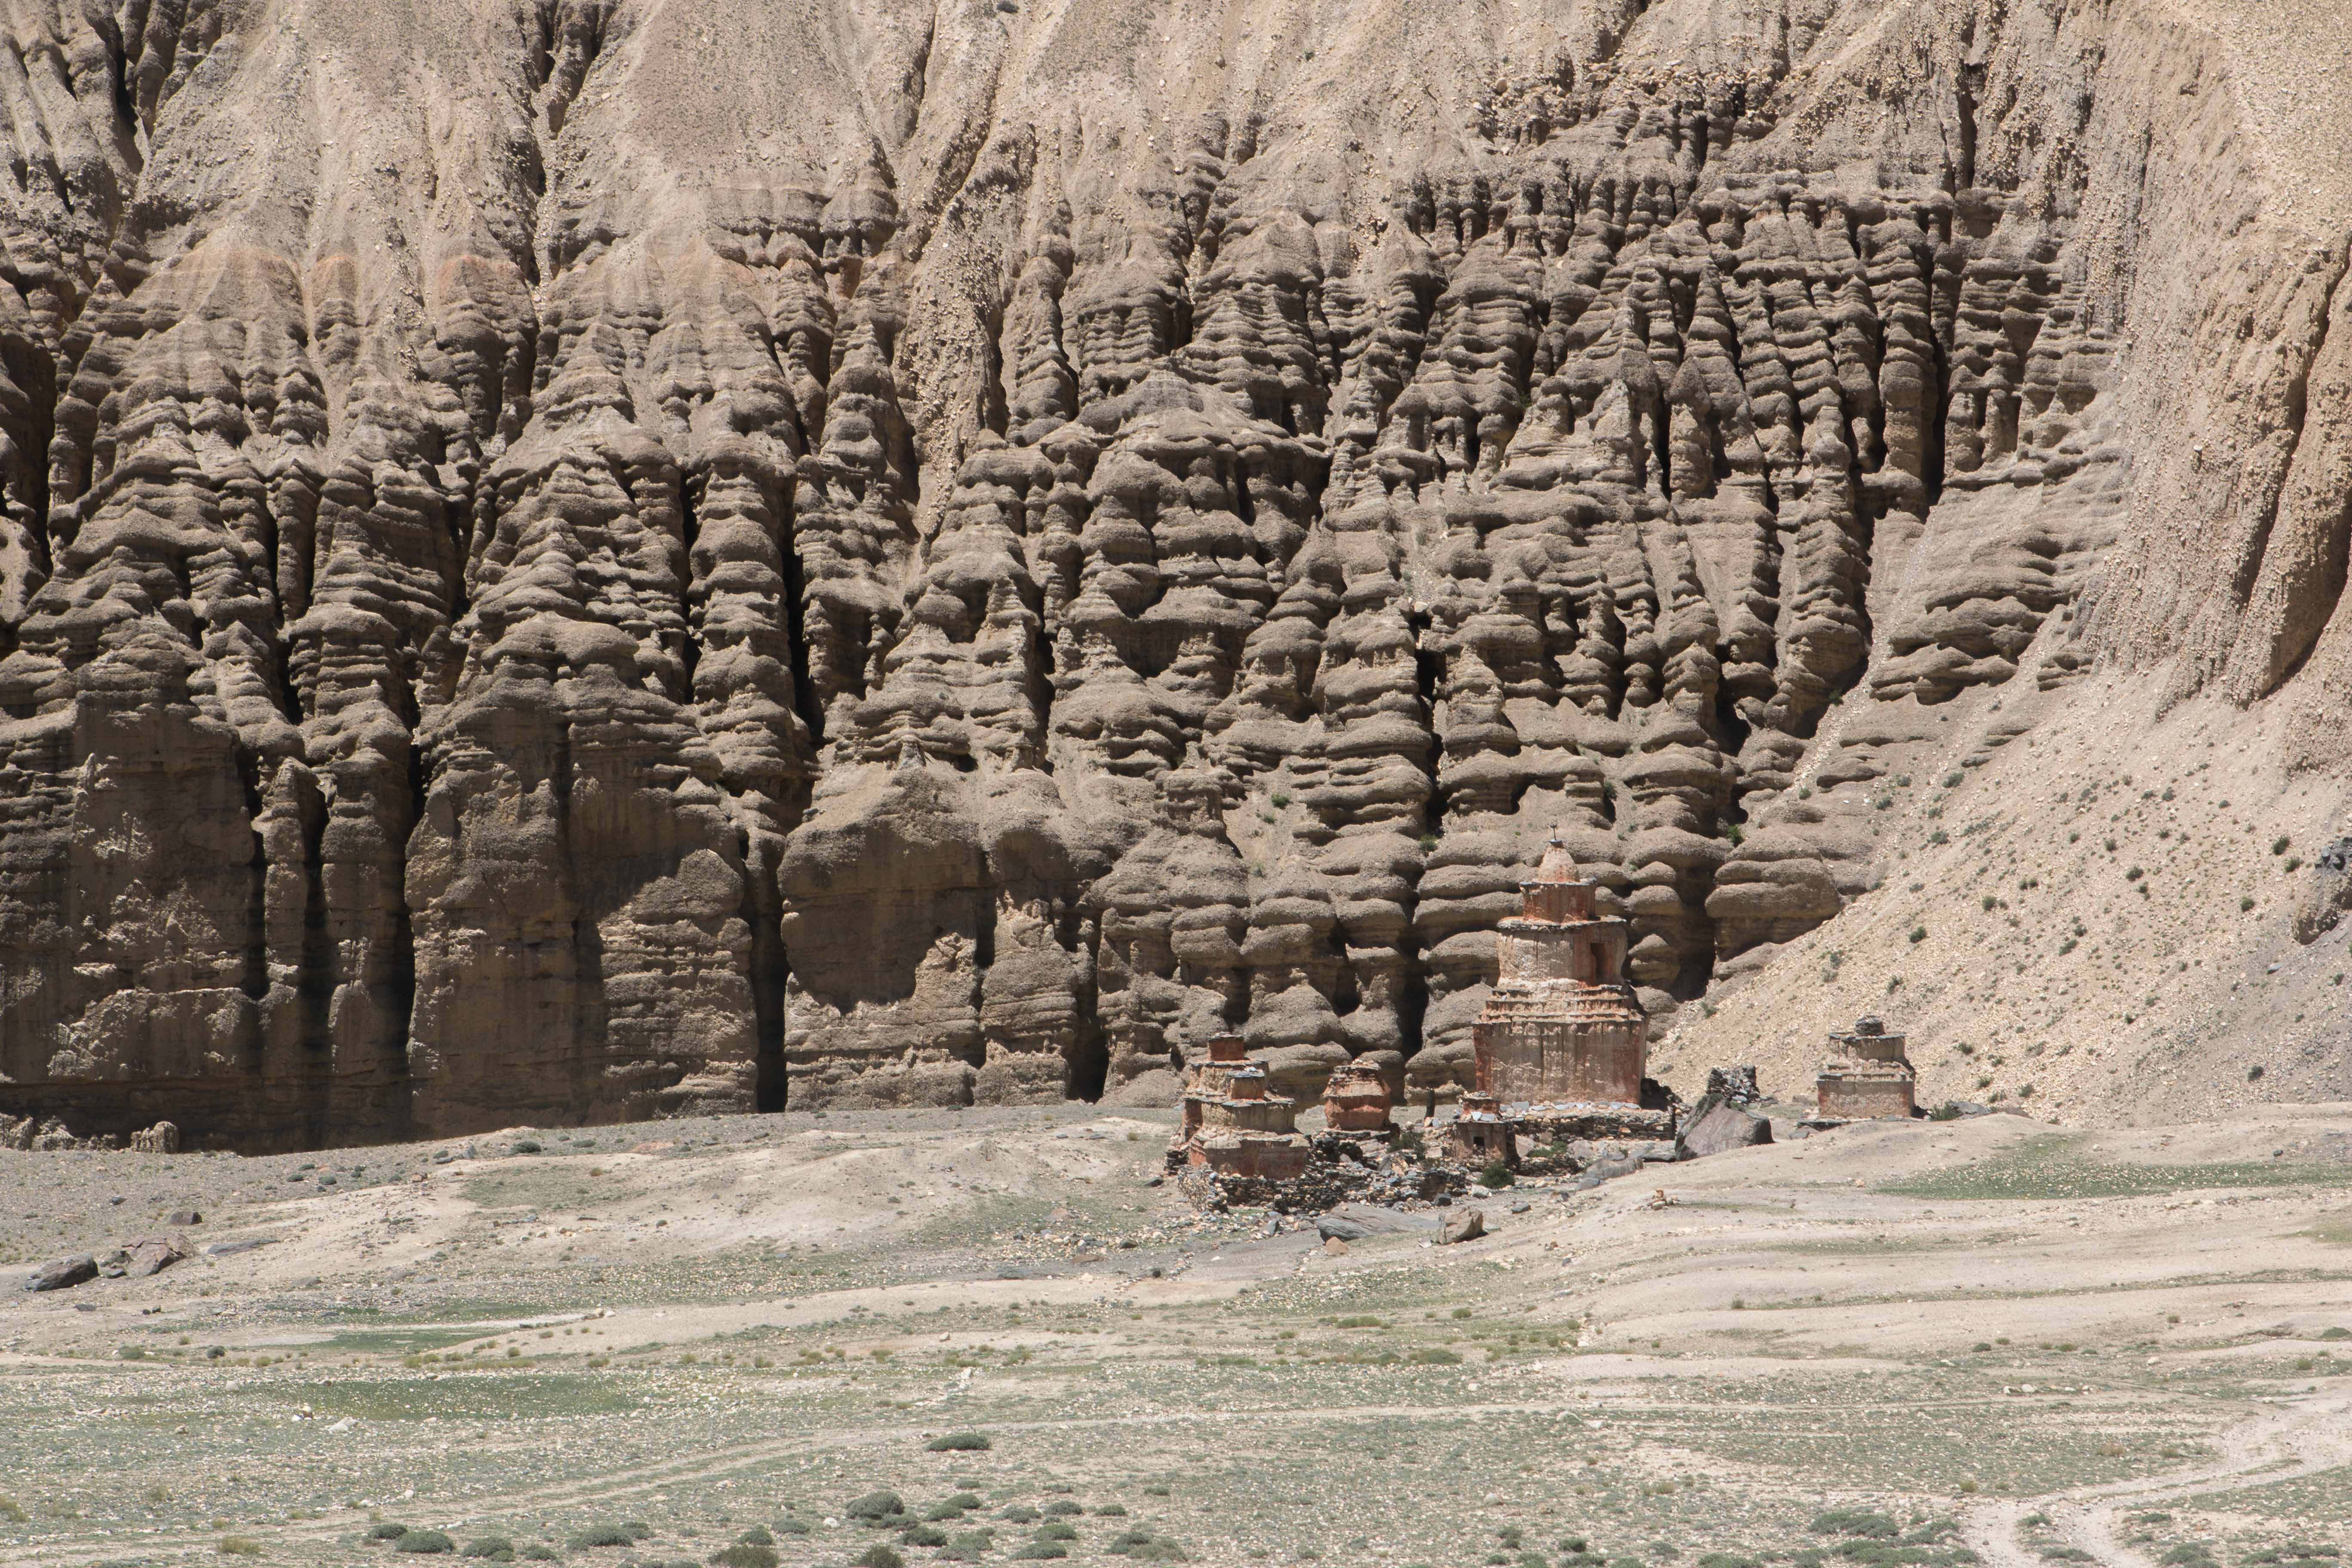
[570, 560]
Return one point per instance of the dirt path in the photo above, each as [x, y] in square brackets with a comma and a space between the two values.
[2302, 1439]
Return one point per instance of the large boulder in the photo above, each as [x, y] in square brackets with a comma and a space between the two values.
[1716, 1124]
[64, 1274]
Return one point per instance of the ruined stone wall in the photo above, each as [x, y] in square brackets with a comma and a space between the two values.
[581, 559]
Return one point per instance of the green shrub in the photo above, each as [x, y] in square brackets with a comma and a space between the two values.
[387, 1532]
[1018, 1512]
[1855, 1521]
[757, 1536]
[602, 1535]
[497, 1546]
[535, 1552]
[877, 1556]
[744, 1554]
[1435, 1355]
[1057, 1530]
[1144, 1546]
[791, 1526]
[238, 1546]
[1111, 1511]
[875, 1508]
[1727, 1559]
[1063, 1509]
[958, 1443]
[1040, 1551]
[1498, 1175]
[921, 1534]
[969, 1546]
[424, 1541]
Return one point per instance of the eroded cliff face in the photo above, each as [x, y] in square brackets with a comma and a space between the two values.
[576, 559]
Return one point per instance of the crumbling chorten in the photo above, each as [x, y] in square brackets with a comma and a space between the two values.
[1561, 1040]
[1232, 1126]
[1356, 1100]
[1866, 1077]
[1481, 1136]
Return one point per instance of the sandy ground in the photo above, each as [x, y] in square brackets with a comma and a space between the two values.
[2005, 1337]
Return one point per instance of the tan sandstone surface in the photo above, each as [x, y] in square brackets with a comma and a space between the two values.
[573, 560]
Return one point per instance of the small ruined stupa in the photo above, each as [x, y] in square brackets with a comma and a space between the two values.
[1232, 1125]
[1866, 1077]
[1562, 1028]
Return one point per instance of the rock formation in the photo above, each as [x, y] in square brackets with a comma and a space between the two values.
[573, 560]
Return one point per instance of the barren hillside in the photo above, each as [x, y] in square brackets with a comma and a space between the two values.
[568, 560]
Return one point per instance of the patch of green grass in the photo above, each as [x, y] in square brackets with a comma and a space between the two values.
[238, 1546]
[503, 1397]
[1860, 1523]
[2054, 1167]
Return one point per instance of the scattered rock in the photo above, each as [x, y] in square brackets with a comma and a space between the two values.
[142, 1258]
[64, 1274]
[1466, 1225]
[161, 1139]
[1607, 1170]
[1375, 1219]
[1717, 1123]
[1334, 1247]
[1735, 1085]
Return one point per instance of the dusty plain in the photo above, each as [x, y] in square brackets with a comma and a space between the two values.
[1990, 1336]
